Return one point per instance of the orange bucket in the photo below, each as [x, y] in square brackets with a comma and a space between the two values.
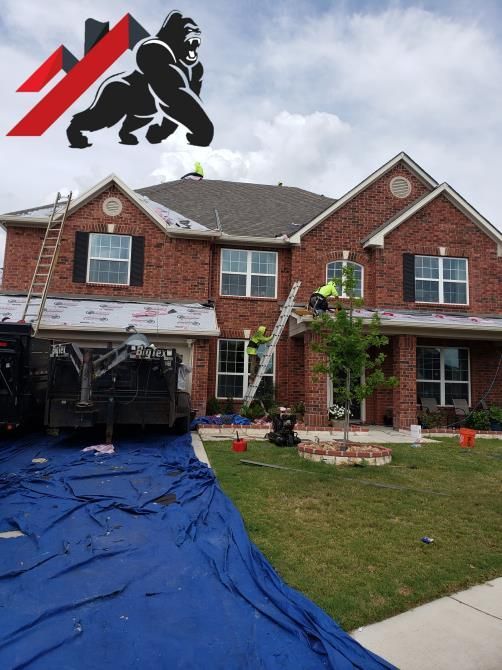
[467, 437]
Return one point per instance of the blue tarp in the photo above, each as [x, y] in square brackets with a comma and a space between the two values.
[106, 577]
[220, 419]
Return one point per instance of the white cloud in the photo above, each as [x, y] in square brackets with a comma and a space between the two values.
[316, 100]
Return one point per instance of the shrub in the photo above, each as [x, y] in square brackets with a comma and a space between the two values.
[228, 406]
[495, 414]
[430, 419]
[479, 420]
[213, 406]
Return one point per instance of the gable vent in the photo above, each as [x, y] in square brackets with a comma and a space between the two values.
[400, 187]
[112, 206]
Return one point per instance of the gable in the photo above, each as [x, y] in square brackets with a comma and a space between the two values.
[401, 166]
[377, 237]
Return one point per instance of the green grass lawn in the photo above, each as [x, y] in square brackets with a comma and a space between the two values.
[354, 548]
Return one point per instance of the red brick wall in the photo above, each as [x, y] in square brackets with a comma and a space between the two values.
[200, 365]
[405, 369]
[441, 224]
[174, 268]
[346, 228]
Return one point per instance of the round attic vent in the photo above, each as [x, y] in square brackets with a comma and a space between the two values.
[112, 206]
[400, 187]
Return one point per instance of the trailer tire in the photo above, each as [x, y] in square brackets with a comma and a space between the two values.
[182, 425]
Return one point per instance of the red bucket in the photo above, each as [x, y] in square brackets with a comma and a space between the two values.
[467, 437]
[239, 445]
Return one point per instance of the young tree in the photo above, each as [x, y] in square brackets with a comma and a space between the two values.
[350, 349]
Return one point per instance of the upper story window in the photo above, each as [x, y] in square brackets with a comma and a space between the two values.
[439, 279]
[335, 271]
[109, 260]
[249, 273]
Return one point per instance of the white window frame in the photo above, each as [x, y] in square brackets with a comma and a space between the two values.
[344, 265]
[101, 258]
[245, 373]
[249, 274]
[441, 281]
[442, 381]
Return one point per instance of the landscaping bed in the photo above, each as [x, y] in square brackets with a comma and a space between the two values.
[350, 538]
[337, 452]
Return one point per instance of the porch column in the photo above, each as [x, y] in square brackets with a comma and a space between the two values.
[200, 370]
[405, 369]
[316, 392]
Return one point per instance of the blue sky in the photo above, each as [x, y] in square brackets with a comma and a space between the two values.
[313, 94]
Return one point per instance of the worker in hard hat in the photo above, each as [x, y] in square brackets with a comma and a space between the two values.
[256, 340]
[318, 301]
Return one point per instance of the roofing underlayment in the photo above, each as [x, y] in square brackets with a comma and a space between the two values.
[108, 315]
[172, 218]
[138, 560]
[397, 318]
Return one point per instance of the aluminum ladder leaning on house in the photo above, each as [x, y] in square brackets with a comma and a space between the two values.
[276, 334]
[37, 295]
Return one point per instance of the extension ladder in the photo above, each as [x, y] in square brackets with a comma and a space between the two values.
[37, 295]
[276, 334]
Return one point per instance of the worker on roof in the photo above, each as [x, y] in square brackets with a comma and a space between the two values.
[256, 340]
[318, 301]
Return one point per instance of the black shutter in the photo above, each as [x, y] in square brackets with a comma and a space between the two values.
[137, 261]
[80, 257]
[408, 278]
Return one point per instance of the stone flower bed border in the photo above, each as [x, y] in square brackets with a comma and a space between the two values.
[333, 454]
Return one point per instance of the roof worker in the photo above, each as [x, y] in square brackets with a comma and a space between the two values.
[256, 340]
[318, 301]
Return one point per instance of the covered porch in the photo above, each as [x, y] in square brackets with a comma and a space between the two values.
[433, 355]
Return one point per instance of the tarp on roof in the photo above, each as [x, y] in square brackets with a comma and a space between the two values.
[109, 315]
[138, 560]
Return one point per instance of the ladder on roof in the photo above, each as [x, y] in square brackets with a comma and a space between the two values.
[37, 295]
[276, 334]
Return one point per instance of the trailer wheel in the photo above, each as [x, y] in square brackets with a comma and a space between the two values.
[182, 425]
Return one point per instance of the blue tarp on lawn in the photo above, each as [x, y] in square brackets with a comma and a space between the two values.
[106, 577]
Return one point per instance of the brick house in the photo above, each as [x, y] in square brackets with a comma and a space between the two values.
[427, 261]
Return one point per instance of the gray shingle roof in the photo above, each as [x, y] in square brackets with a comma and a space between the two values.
[255, 210]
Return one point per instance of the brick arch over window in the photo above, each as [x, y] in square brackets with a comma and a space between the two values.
[335, 269]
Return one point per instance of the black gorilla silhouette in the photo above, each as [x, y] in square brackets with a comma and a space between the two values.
[168, 78]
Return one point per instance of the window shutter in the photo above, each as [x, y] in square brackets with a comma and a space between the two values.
[408, 278]
[80, 257]
[137, 261]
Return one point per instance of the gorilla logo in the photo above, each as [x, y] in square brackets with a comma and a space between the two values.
[167, 79]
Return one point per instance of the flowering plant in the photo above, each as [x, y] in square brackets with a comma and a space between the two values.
[337, 412]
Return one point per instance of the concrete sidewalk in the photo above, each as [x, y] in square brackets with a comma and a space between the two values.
[374, 434]
[459, 632]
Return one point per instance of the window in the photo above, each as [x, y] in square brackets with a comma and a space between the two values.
[232, 369]
[249, 273]
[441, 280]
[335, 271]
[109, 259]
[443, 374]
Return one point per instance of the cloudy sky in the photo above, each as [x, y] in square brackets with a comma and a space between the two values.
[315, 94]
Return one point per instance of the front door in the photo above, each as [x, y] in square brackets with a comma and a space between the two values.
[356, 408]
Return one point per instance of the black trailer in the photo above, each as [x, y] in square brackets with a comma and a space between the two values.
[134, 383]
[15, 383]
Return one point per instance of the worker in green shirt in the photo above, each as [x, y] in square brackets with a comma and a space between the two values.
[318, 302]
[256, 340]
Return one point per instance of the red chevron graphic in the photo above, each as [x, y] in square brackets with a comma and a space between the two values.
[61, 59]
[81, 76]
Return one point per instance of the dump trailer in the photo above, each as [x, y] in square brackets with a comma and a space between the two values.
[15, 384]
[134, 383]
